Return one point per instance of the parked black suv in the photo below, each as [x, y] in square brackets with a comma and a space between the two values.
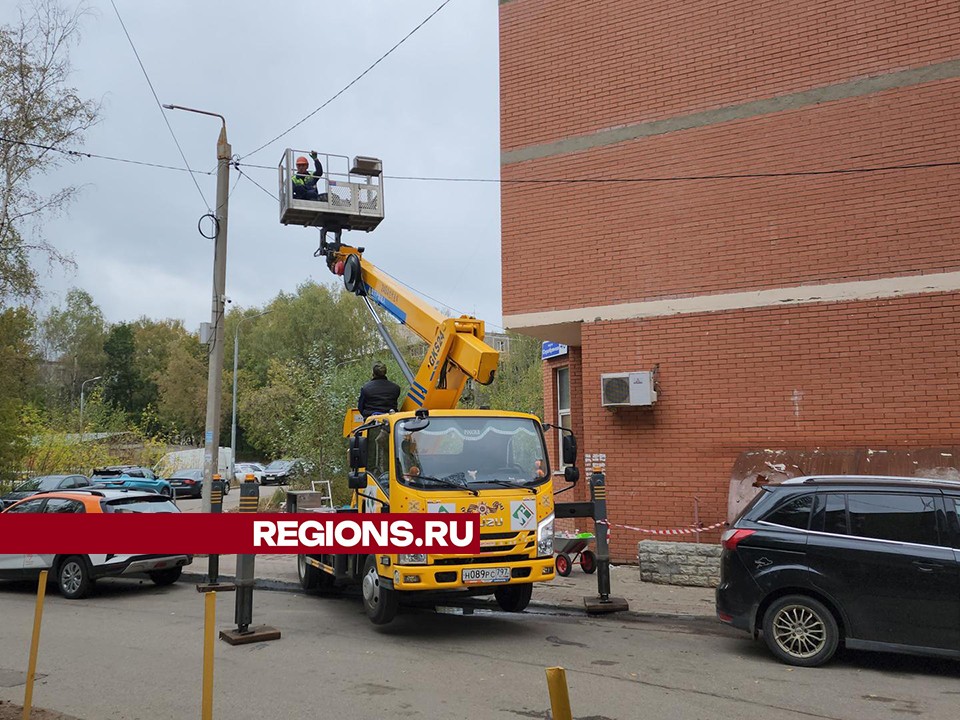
[872, 562]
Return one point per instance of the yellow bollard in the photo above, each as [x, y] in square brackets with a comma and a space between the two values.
[559, 697]
[34, 645]
[209, 631]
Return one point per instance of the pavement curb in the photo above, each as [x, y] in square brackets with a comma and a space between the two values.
[635, 615]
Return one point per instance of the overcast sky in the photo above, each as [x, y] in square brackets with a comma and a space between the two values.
[429, 109]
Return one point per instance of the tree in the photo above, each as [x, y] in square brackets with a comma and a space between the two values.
[73, 338]
[38, 111]
[18, 366]
[123, 385]
[518, 384]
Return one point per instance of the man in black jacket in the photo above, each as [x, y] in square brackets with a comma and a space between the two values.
[380, 395]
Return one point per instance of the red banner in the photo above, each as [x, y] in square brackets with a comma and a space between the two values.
[239, 533]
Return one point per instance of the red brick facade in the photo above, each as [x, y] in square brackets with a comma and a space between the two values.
[739, 88]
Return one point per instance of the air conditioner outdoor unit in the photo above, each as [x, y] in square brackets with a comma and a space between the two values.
[627, 389]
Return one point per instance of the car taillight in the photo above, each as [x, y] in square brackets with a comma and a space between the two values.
[731, 538]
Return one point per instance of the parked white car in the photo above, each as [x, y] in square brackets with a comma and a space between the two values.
[241, 470]
[75, 575]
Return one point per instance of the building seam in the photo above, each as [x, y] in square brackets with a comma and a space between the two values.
[859, 87]
[856, 291]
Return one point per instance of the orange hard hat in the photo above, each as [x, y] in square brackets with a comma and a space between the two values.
[302, 160]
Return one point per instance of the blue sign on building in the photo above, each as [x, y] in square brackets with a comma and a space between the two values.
[552, 350]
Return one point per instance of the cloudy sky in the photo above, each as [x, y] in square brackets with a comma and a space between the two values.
[429, 109]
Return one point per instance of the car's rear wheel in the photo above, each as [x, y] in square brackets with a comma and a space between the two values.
[800, 630]
[166, 577]
[379, 602]
[514, 598]
[73, 578]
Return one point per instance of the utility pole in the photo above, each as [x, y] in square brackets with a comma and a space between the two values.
[215, 353]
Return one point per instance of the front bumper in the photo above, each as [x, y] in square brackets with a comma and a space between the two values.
[450, 577]
[142, 565]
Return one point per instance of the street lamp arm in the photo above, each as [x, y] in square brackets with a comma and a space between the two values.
[200, 112]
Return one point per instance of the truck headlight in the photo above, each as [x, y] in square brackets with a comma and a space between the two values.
[545, 537]
[412, 559]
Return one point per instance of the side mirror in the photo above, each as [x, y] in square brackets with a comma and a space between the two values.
[569, 449]
[358, 453]
[571, 474]
[356, 480]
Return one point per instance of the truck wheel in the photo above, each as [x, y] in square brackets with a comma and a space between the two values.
[588, 562]
[166, 577]
[313, 580]
[73, 578]
[380, 603]
[514, 598]
[563, 564]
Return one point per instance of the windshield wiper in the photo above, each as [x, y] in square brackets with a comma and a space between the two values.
[508, 483]
[448, 482]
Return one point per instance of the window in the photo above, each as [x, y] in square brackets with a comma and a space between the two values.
[29, 506]
[63, 505]
[378, 456]
[835, 514]
[563, 409]
[894, 516]
[794, 513]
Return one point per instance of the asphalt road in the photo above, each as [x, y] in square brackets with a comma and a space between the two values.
[135, 651]
[230, 502]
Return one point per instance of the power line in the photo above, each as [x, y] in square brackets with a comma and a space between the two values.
[160, 106]
[663, 178]
[243, 174]
[537, 181]
[351, 83]
[78, 153]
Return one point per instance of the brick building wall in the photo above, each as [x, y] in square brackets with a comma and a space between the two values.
[783, 311]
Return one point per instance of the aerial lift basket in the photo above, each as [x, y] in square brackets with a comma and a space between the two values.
[349, 196]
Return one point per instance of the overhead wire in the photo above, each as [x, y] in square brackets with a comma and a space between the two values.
[160, 106]
[519, 181]
[351, 83]
[661, 178]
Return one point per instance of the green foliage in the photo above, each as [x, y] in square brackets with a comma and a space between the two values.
[37, 108]
[123, 385]
[518, 384]
[18, 370]
[72, 337]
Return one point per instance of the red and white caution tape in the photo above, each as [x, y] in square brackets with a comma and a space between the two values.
[671, 531]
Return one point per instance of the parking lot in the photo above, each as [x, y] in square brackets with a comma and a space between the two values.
[134, 651]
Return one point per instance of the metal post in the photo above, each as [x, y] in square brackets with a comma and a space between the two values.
[598, 497]
[243, 614]
[209, 628]
[216, 506]
[559, 695]
[233, 413]
[34, 645]
[598, 494]
[82, 385]
[696, 517]
[249, 502]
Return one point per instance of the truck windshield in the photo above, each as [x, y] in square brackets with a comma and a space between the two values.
[474, 451]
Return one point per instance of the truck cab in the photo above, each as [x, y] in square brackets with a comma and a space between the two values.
[493, 463]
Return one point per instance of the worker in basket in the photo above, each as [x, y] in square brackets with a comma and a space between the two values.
[305, 182]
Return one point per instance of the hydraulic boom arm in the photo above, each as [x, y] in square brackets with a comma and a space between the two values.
[456, 347]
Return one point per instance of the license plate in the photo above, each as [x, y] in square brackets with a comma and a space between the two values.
[473, 576]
